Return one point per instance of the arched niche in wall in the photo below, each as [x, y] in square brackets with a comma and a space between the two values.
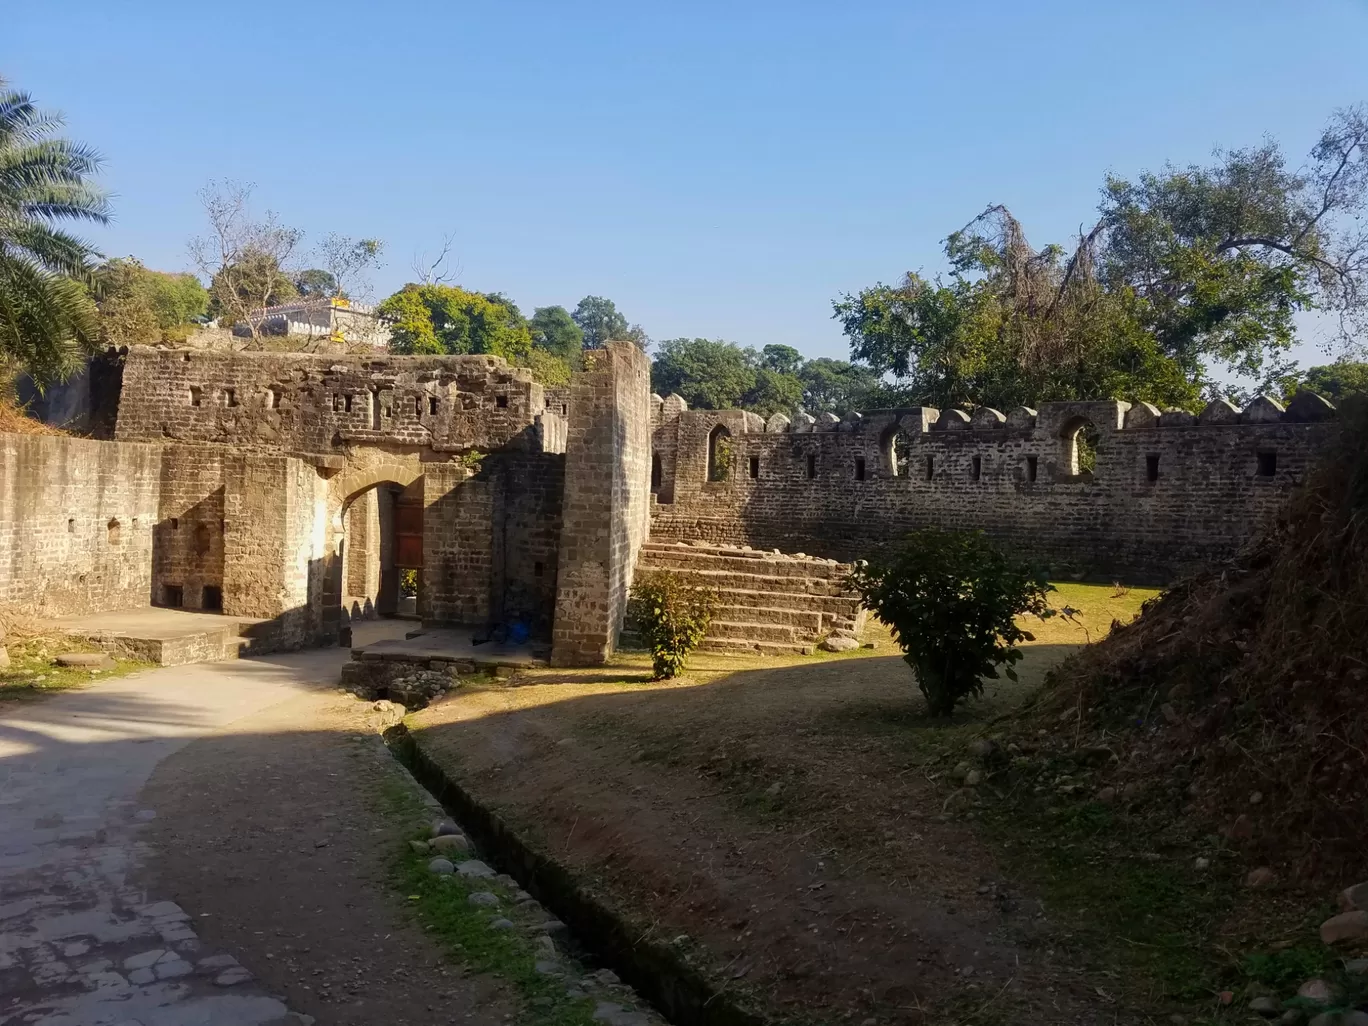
[719, 453]
[1081, 438]
[896, 450]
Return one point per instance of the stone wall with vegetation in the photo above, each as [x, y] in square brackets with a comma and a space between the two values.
[1102, 489]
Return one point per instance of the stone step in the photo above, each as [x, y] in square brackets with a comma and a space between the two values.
[755, 648]
[686, 557]
[807, 621]
[725, 579]
[830, 605]
[734, 630]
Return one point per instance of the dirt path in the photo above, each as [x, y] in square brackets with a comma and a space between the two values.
[276, 835]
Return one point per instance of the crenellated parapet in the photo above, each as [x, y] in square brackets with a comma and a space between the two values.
[1098, 487]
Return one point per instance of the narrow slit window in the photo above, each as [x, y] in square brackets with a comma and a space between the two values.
[375, 409]
[656, 474]
[71, 525]
[229, 397]
[1032, 467]
[501, 401]
[976, 471]
[346, 403]
[930, 468]
[175, 523]
[1268, 464]
[1152, 467]
[272, 398]
[565, 409]
[417, 406]
[859, 468]
[196, 395]
[113, 532]
[432, 405]
[811, 466]
[538, 569]
[754, 467]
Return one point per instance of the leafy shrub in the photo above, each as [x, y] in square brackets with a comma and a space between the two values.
[408, 582]
[672, 615]
[952, 598]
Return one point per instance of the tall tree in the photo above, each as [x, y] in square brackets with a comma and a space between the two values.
[137, 305]
[47, 318]
[347, 262]
[315, 283]
[555, 331]
[448, 319]
[709, 374]
[601, 322]
[1184, 270]
[244, 258]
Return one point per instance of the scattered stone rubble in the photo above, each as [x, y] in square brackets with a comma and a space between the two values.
[507, 906]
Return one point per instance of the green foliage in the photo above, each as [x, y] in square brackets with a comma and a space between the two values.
[672, 615]
[951, 599]
[138, 305]
[315, 283]
[1335, 381]
[408, 582]
[547, 368]
[251, 282]
[720, 459]
[555, 331]
[601, 322]
[1185, 269]
[449, 319]
[48, 320]
[718, 375]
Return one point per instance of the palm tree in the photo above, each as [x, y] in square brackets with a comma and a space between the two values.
[47, 317]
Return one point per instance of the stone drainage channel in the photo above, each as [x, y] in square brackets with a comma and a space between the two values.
[656, 971]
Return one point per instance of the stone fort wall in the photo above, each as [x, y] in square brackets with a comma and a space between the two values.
[318, 403]
[1167, 491]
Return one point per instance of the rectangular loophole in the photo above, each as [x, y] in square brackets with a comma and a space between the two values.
[1032, 467]
[1152, 467]
[273, 398]
[432, 405]
[211, 598]
[346, 403]
[754, 467]
[859, 468]
[173, 595]
[501, 401]
[196, 395]
[930, 468]
[538, 569]
[976, 470]
[1268, 464]
[229, 397]
[811, 466]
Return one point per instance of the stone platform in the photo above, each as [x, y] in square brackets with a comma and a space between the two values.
[168, 637]
[432, 660]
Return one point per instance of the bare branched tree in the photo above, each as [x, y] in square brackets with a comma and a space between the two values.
[243, 258]
[438, 271]
[348, 260]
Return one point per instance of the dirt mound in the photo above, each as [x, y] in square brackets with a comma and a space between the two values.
[1250, 681]
[14, 421]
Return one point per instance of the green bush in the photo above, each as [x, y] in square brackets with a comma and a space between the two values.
[952, 598]
[408, 583]
[672, 616]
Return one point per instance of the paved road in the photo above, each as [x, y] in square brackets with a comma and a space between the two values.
[80, 944]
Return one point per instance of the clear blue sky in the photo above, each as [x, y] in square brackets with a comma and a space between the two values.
[721, 170]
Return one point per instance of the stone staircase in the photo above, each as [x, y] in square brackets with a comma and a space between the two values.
[768, 602]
